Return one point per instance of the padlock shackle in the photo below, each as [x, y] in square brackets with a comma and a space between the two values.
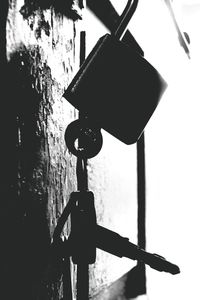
[125, 18]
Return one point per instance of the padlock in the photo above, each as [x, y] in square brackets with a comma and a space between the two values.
[116, 87]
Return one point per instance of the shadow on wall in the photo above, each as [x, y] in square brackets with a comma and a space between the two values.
[26, 104]
[25, 235]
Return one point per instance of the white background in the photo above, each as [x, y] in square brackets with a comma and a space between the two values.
[172, 147]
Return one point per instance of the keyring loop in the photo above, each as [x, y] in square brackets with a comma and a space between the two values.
[83, 138]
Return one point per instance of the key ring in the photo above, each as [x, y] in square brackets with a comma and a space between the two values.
[89, 135]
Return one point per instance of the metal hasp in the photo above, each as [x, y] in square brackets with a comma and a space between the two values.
[116, 87]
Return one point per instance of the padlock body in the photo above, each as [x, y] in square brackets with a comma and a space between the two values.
[116, 88]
